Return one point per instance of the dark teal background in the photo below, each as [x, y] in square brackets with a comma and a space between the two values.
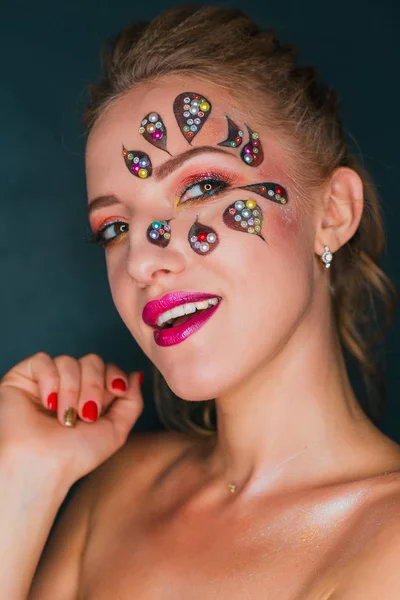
[54, 290]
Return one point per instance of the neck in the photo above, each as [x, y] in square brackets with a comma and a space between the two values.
[295, 419]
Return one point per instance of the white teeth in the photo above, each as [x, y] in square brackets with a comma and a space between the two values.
[185, 309]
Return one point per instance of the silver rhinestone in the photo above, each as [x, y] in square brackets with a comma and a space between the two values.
[246, 213]
[186, 100]
[237, 218]
[193, 128]
[270, 192]
[240, 133]
[189, 121]
[211, 238]
[239, 205]
[136, 160]
[193, 239]
[153, 117]
[195, 102]
[144, 122]
[248, 159]
[193, 110]
[158, 124]
[186, 114]
[197, 121]
[244, 223]
[204, 247]
[197, 245]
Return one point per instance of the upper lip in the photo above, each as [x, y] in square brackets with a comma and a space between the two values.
[155, 308]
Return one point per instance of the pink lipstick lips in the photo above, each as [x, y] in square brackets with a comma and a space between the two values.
[193, 321]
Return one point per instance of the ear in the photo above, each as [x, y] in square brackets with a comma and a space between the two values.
[341, 210]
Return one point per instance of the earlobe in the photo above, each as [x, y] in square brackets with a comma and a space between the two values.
[341, 210]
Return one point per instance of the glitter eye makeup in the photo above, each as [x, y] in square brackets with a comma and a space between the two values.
[154, 131]
[269, 190]
[202, 239]
[191, 111]
[244, 215]
[137, 162]
[104, 235]
[235, 135]
[159, 233]
[197, 190]
[252, 153]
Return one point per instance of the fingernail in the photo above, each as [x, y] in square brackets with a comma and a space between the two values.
[141, 378]
[52, 401]
[69, 418]
[119, 384]
[89, 410]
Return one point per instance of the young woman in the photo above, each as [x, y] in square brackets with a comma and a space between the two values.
[241, 240]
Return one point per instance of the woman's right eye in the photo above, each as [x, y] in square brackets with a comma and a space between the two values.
[111, 232]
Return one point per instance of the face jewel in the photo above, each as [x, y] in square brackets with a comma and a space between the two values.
[154, 131]
[202, 239]
[271, 191]
[235, 135]
[244, 215]
[159, 233]
[191, 112]
[137, 162]
[252, 153]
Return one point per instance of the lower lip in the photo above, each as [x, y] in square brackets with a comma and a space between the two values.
[176, 335]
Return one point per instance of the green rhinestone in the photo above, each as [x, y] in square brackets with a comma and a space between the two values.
[255, 213]
[156, 225]
[186, 128]
[233, 144]
[277, 196]
[257, 228]
[250, 230]
[254, 136]
[130, 156]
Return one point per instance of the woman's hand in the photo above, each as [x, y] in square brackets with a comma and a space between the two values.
[34, 398]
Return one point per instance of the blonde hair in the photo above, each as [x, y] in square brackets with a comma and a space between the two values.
[224, 45]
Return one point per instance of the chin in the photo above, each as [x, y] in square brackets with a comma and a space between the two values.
[193, 387]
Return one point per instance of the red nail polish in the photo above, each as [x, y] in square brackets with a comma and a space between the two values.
[52, 401]
[141, 378]
[119, 384]
[89, 410]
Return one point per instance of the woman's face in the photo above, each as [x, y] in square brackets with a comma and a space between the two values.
[265, 281]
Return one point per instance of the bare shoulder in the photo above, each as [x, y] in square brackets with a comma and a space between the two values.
[374, 573]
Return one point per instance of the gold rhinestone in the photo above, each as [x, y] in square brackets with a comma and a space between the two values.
[141, 130]
[232, 487]
[283, 200]
[250, 230]
[257, 228]
[257, 222]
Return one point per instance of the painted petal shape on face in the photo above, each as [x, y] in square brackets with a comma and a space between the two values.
[202, 239]
[235, 135]
[191, 111]
[244, 215]
[252, 153]
[154, 131]
[268, 189]
[159, 233]
[137, 162]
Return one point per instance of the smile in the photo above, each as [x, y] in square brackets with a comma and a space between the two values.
[178, 315]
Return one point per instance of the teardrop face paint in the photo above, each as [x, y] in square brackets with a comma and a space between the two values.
[153, 130]
[269, 190]
[159, 233]
[244, 215]
[252, 153]
[202, 239]
[235, 135]
[191, 111]
[137, 162]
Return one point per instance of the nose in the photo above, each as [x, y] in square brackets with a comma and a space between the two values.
[148, 263]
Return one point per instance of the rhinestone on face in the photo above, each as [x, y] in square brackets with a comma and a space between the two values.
[239, 205]
[197, 245]
[257, 228]
[246, 213]
[142, 173]
[251, 221]
[186, 100]
[186, 128]
[193, 128]
[248, 159]
[251, 204]
[144, 122]
[256, 213]
[158, 125]
[250, 230]
[257, 222]
[270, 192]
[141, 130]
[237, 218]
[143, 162]
[204, 247]
[167, 236]
[186, 114]
[244, 223]
[186, 106]
[189, 121]
[211, 238]
[153, 117]
[193, 239]
[154, 234]
[136, 160]
[197, 121]
[130, 156]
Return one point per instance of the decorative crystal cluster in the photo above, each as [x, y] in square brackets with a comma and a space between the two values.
[138, 163]
[252, 153]
[160, 231]
[153, 130]
[191, 111]
[244, 216]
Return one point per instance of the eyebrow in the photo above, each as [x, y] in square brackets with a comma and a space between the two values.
[160, 173]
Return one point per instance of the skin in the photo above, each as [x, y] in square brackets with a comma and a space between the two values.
[317, 484]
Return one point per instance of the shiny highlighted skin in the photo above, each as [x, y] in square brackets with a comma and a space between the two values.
[138, 163]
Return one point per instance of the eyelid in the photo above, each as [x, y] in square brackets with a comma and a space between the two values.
[222, 175]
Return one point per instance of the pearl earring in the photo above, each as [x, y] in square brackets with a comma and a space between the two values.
[327, 257]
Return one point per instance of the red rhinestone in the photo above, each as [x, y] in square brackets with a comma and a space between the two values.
[232, 211]
[263, 189]
[238, 140]
[190, 134]
[279, 190]
[161, 231]
[255, 142]
[201, 236]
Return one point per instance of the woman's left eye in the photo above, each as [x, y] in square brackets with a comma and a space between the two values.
[208, 187]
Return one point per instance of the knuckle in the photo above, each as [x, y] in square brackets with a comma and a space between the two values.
[42, 356]
[95, 388]
[65, 360]
[70, 390]
[94, 360]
